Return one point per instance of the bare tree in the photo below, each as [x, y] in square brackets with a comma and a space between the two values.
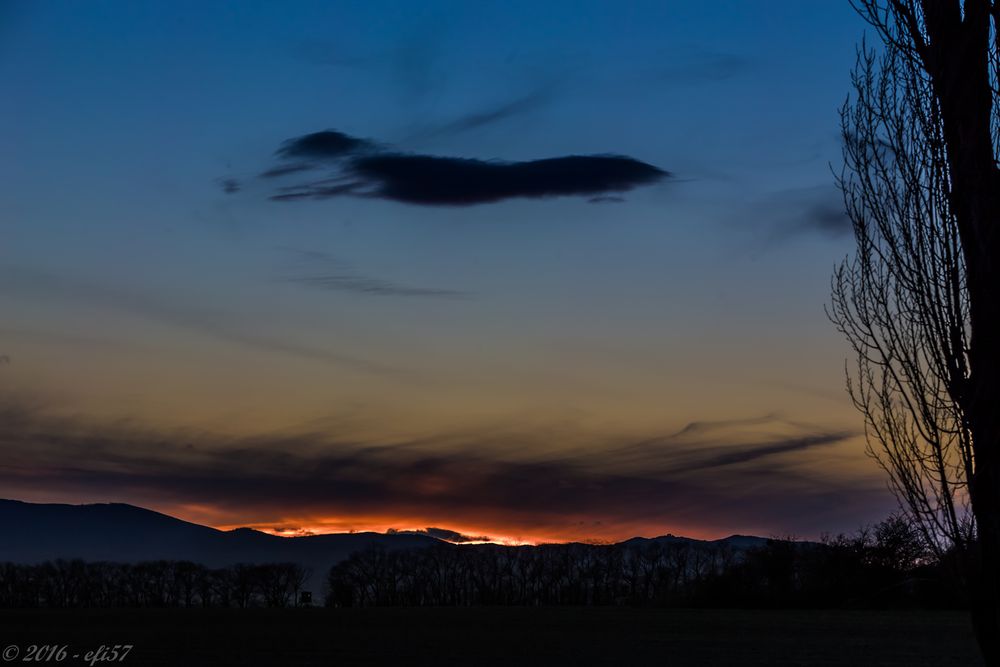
[920, 300]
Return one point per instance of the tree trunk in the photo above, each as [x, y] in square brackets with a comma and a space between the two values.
[956, 56]
[984, 487]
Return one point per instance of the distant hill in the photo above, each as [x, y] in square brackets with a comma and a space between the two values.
[34, 533]
[734, 542]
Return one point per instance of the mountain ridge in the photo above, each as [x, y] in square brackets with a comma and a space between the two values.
[6, 504]
[120, 532]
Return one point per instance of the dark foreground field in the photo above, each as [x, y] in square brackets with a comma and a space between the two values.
[501, 636]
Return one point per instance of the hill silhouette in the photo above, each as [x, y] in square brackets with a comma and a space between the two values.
[34, 533]
[116, 554]
[118, 532]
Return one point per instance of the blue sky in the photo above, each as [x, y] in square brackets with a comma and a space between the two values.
[139, 294]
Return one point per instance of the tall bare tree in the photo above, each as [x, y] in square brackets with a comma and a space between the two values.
[920, 299]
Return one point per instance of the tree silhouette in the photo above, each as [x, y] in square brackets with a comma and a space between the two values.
[881, 565]
[919, 300]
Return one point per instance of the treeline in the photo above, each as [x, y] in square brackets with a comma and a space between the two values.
[885, 565]
[882, 566]
[76, 583]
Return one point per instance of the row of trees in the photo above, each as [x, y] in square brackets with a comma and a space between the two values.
[883, 565]
[76, 583]
[886, 564]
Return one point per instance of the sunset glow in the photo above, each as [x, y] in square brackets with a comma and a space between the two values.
[483, 270]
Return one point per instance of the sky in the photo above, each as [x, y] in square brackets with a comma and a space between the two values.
[532, 271]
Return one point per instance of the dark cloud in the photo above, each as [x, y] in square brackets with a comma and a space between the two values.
[443, 181]
[365, 170]
[469, 479]
[324, 145]
[425, 179]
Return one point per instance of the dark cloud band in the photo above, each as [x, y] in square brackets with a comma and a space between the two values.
[716, 479]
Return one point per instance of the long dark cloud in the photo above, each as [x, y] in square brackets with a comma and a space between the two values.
[425, 179]
[468, 480]
[364, 169]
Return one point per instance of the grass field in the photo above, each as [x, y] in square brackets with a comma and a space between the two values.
[501, 636]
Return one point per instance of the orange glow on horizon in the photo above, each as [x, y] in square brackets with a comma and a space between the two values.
[325, 528]
[501, 532]
[497, 527]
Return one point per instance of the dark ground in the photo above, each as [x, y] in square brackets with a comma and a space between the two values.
[501, 636]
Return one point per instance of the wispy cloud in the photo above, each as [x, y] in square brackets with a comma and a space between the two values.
[706, 67]
[346, 282]
[320, 270]
[287, 170]
[712, 445]
[795, 213]
[817, 210]
[230, 185]
[484, 117]
[158, 308]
